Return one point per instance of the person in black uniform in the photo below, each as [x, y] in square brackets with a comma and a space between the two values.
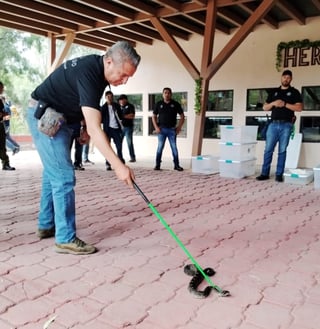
[128, 114]
[3, 151]
[111, 121]
[164, 120]
[75, 89]
[282, 102]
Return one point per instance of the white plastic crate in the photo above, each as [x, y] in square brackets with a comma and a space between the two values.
[298, 176]
[237, 151]
[237, 169]
[205, 164]
[238, 134]
[316, 175]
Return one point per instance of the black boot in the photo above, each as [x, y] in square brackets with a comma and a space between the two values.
[8, 167]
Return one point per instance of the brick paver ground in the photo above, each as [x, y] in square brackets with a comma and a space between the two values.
[262, 238]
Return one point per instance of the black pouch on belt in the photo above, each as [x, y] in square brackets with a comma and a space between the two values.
[41, 107]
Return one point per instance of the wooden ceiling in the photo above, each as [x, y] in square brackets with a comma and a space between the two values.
[100, 23]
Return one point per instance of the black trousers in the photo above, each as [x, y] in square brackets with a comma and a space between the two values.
[3, 151]
[117, 137]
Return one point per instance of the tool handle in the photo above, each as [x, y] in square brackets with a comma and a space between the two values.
[141, 193]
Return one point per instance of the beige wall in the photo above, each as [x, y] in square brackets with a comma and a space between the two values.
[251, 66]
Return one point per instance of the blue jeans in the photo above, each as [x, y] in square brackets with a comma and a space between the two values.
[276, 133]
[10, 142]
[57, 202]
[128, 132]
[172, 136]
[85, 152]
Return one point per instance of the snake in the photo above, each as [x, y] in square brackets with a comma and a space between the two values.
[196, 280]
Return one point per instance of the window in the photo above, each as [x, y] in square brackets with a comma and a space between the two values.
[138, 126]
[220, 100]
[256, 98]
[212, 126]
[311, 98]
[259, 121]
[310, 129]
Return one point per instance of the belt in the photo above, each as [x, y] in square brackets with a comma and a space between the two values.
[281, 121]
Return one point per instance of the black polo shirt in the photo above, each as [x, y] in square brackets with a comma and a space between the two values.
[167, 113]
[77, 82]
[127, 109]
[290, 96]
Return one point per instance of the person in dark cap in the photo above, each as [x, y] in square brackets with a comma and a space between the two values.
[128, 114]
[283, 102]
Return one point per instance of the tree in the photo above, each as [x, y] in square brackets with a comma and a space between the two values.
[23, 66]
[15, 68]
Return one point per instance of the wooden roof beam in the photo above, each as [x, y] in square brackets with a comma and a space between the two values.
[130, 35]
[240, 35]
[24, 26]
[64, 51]
[167, 37]
[81, 11]
[30, 22]
[109, 7]
[174, 32]
[316, 3]
[142, 7]
[180, 23]
[144, 31]
[89, 39]
[174, 6]
[102, 35]
[250, 8]
[207, 51]
[228, 15]
[92, 45]
[224, 3]
[40, 10]
[292, 12]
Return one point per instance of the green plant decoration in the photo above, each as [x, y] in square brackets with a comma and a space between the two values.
[305, 43]
[198, 91]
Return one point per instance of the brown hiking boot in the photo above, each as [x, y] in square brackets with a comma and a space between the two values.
[46, 233]
[75, 247]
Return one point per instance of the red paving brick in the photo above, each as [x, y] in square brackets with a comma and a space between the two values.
[262, 238]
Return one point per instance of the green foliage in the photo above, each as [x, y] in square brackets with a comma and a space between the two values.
[13, 58]
[23, 66]
[305, 43]
[197, 94]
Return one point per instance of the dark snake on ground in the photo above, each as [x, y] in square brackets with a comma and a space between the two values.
[196, 280]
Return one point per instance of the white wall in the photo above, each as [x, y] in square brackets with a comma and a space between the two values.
[252, 65]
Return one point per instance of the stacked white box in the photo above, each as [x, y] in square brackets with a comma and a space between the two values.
[238, 134]
[237, 169]
[205, 164]
[237, 151]
[316, 175]
[298, 176]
